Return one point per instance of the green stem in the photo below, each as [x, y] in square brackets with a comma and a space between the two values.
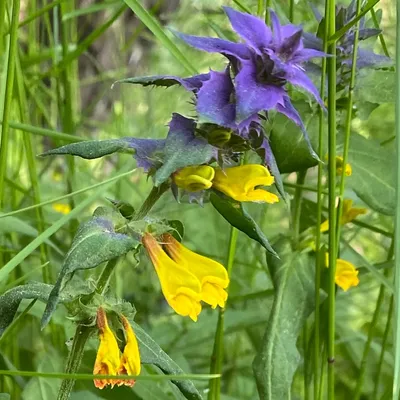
[8, 94]
[301, 176]
[383, 350]
[330, 14]
[291, 11]
[381, 37]
[260, 8]
[83, 331]
[306, 340]
[218, 350]
[320, 192]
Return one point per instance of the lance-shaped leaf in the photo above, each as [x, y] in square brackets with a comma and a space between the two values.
[95, 242]
[147, 152]
[278, 358]
[152, 353]
[10, 300]
[238, 217]
[182, 148]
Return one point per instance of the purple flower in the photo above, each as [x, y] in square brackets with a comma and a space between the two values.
[263, 64]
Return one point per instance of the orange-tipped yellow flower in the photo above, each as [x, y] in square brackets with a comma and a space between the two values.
[211, 274]
[195, 178]
[339, 167]
[107, 360]
[349, 213]
[181, 288]
[346, 275]
[241, 183]
[130, 360]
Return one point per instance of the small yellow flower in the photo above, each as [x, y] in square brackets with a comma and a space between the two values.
[346, 274]
[62, 208]
[241, 183]
[194, 178]
[348, 215]
[107, 359]
[181, 288]
[339, 167]
[130, 360]
[212, 275]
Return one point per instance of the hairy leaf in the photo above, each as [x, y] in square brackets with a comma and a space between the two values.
[94, 243]
[151, 353]
[375, 86]
[278, 359]
[91, 149]
[373, 174]
[238, 217]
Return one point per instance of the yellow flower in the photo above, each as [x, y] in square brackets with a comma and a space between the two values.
[240, 183]
[348, 215]
[130, 360]
[61, 208]
[212, 275]
[194, 178]
[339, 167]
[107, 359]
[346, 274]
[181, 288]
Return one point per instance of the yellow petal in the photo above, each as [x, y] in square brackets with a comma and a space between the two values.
[107, 359]
[61, 208]
[212, 275]
[240, 183]
[130, 360]
[346, 275]
[181, 288]
[194, 178]
[339, 167]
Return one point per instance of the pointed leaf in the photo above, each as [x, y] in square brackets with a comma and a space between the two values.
[278, 359]
[94, 243]
[238, 217]
[92, 149]
[151, 353]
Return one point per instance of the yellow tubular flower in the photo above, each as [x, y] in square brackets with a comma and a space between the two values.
[194, 179]
[339, 167]
[212, 275]
[107, 360]
[181, 289]
[346, 275]
[240, 183]
[349, 214]
[130, 360]
[62, 208]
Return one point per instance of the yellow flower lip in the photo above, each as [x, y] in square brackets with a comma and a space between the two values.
[130, 360]
[211, 274]
[61, 208]
[194, 178]
[339, 167]
[180, 287]
[240, 183]
[346, 274]
[107, 359]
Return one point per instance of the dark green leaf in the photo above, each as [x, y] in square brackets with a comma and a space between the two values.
[276, 363]
[373, 176]
[237, 216]
[151, 353]
[178, 229]
[375, 86]
[125, 209]
[92, 149]
[94, 243]
[155, 80]
[291, 151]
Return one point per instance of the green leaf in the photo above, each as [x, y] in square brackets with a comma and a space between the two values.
[278, 358]
[91, 149]
[375, 86]
[238, 217]
[10, 300]
[4, 396]
[151, 353]
[177, 227]
[373, 173]
[181, 151]
[155, 80]
[94, 243]
[291, 151]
